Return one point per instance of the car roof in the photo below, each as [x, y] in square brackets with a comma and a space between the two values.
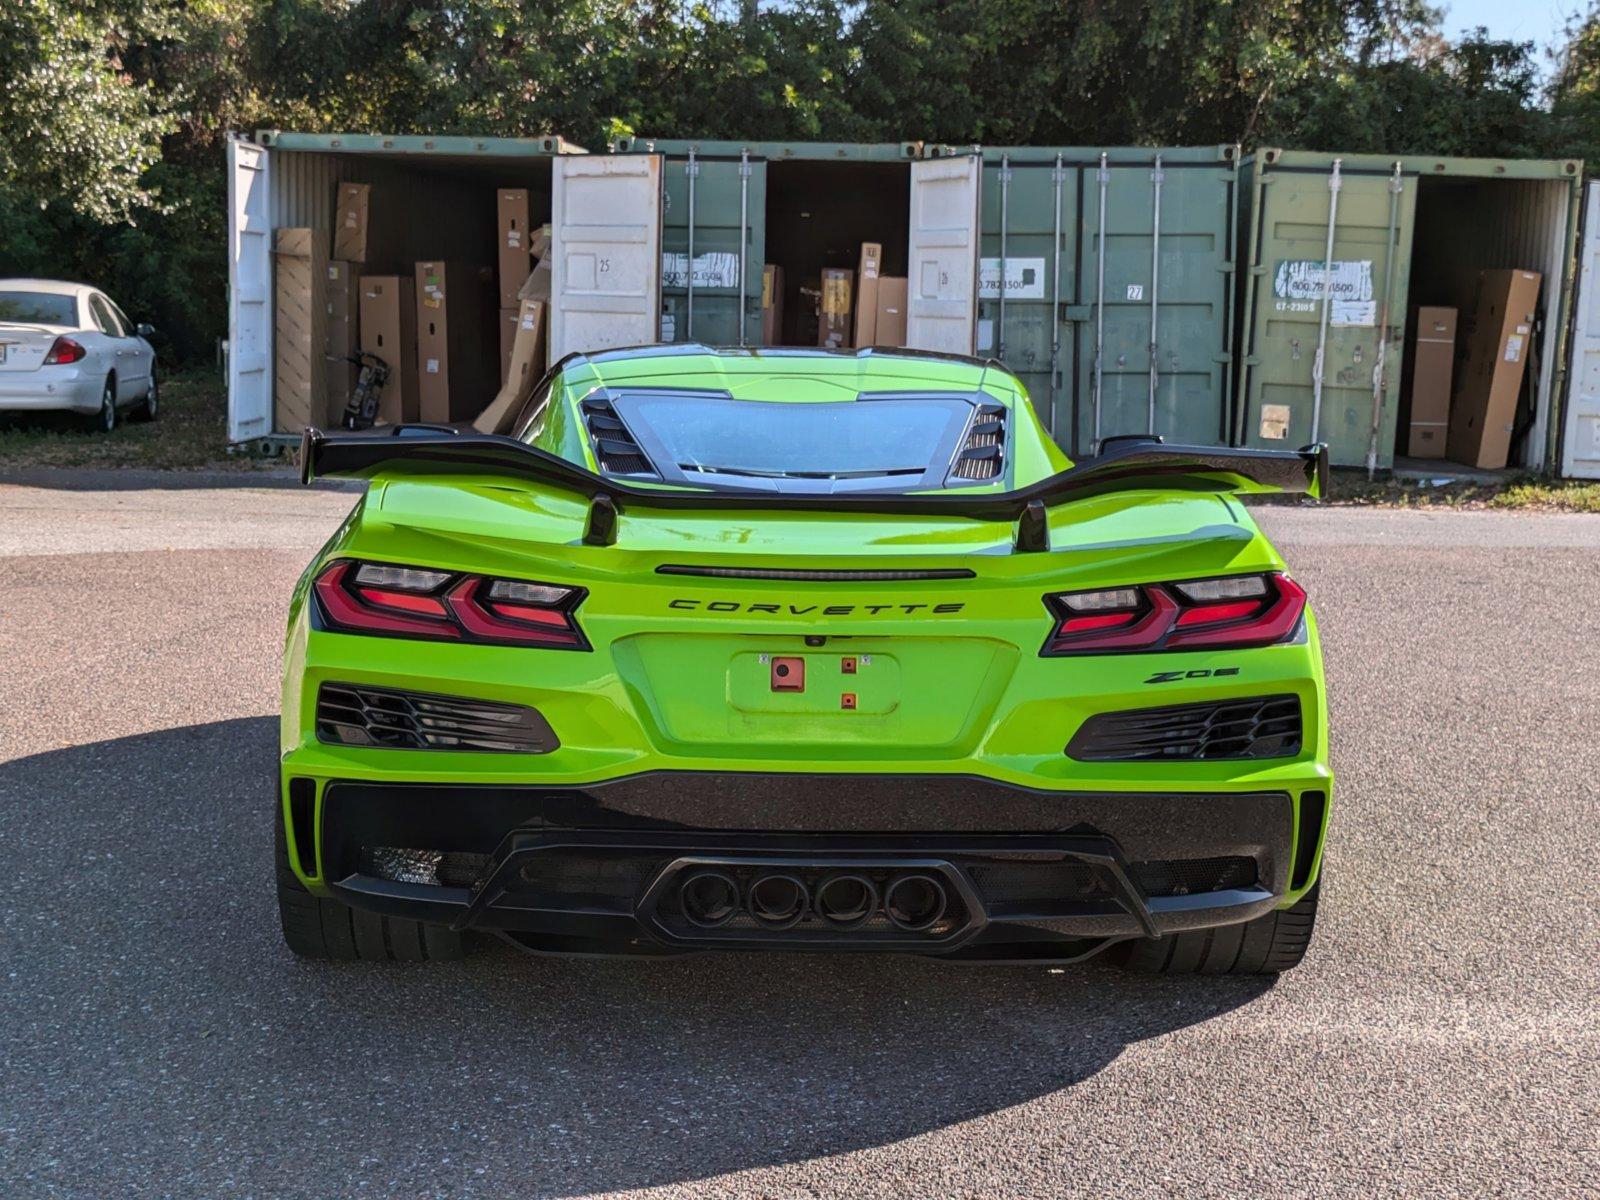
[53, 287]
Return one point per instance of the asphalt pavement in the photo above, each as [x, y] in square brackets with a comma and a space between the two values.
[156, 1039]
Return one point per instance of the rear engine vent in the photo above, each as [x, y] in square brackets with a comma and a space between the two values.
[1264, 727]
[1192, 876]
[436, 868]
[982, 455]
[368, 716]
[614, 447]
[796, 573]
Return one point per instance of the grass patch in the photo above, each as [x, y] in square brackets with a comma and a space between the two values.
[191, 431]
[1529, 493]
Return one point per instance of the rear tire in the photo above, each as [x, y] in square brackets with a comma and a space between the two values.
[1265, 946]
[314, 927]
[148, 408]
[104, 419]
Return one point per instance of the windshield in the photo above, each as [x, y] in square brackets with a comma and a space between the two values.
[707, 436]
[37, 308]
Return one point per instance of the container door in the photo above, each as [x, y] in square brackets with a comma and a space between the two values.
[249, 292]
[943, 303]
[605, 279]
[1026, 278]
[1156, 321]
[1580, 455]
[721, 221]
[1299, 317]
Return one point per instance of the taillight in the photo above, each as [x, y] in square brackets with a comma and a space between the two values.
[1231, 611]
[63, 351]
[452, 606]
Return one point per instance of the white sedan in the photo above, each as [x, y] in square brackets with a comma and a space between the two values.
[67, 347]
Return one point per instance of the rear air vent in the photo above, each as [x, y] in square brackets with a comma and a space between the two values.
[614, 447]
[394, 720]
[799, 574]
[982, 454]
[1264, 727]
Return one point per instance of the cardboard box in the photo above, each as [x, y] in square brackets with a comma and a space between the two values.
[891, 311]
[351, 218]
[342, 337]
[456, 375]
[1432, 369]
[1483, 406]
[833, 308]
[526, 369]
[389, 330]
[508, 338]
[515, 239]
[867, 294]
[771, 305]
[299, 329]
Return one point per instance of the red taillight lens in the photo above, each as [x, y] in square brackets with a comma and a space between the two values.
[63, 351]
[379, 598]
[1234, 611]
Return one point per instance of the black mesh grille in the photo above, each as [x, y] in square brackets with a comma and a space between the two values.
[614, 447]
[1010, 885]
[982, 455]
[368, 716]
[1263, 727]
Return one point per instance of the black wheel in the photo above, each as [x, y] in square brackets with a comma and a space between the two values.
[147, 408]
[1265, 946]
[328, 929]
[105, 417]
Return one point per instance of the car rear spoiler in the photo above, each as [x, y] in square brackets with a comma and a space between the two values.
[1123, 464]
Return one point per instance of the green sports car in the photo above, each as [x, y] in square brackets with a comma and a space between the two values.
[730, 649]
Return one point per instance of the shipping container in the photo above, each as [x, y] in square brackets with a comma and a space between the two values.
[1137, 340]
[1341, 249]
[729, 208]
[431, 198]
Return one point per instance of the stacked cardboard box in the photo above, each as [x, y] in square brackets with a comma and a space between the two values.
[456, 373]
[1483, 407]
[870, 267]
[526, 367]
[352, 217]
[343, 337]
[1432, 364]
[891, 324]
[389, 331]
[299, 331]
[771, 305]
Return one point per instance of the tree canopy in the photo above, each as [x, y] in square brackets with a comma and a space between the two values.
[112, 112]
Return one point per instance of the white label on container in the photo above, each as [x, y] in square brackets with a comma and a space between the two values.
[1353, 312]
[985, 334]
[1275, 421]
[1514, 348]
[1024, 279]
[1303, 279]
[711, 270]
[433, 366]
[1136, 291]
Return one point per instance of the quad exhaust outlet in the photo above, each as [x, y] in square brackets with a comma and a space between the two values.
[910, 901]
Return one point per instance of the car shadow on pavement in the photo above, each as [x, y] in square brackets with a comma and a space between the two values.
[156, 1024]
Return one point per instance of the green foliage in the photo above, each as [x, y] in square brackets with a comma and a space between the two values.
[112, 112]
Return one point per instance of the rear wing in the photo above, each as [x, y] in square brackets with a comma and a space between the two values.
[1123, 464]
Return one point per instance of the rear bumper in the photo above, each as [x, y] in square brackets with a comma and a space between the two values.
[1026, 873]
[48, 390]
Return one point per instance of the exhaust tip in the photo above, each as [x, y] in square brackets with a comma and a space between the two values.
[778, 901]
[845, 901]
[915, 902]
[709, 899]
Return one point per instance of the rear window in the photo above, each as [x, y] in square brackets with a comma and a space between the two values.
[795, 446]
[38, 308]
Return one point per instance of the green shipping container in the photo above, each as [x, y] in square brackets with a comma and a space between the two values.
[1322, 351]
[1136, 341]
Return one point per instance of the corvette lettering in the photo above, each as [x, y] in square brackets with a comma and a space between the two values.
[821, 610]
